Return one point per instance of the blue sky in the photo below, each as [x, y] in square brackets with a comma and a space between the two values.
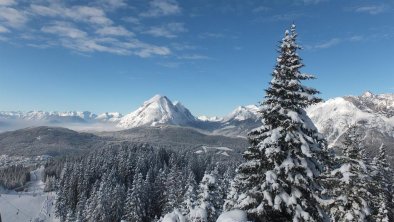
[212, 55]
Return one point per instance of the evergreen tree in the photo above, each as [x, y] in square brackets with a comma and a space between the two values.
[232, 195]
[148, 197]
[349, 182]
[159, 193]
[61, 200]
[173, 192]
[190, 197]
[92, 202]
[382, 189]
[207, 198]
[134, 207]
[278, 180]
[117, 197]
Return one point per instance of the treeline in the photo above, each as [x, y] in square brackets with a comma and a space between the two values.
[137, 182]
[15, 176]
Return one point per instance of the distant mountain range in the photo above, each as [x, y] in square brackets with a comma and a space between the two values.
[60, 117]
[158, 110]
[374, 114]
[332, 117]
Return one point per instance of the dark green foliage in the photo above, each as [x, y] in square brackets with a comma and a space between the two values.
[13, 177]
[135, 182]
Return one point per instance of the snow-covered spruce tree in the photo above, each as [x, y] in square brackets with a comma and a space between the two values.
[350, 181]
[135, 206]
[278, 180]
[206, 209]
[173, 192]
[382, 189]
[190, 196]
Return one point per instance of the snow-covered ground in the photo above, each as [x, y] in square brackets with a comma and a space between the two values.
[33, 205]
[219, 150]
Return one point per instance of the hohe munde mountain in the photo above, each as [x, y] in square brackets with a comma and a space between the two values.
[158, 110]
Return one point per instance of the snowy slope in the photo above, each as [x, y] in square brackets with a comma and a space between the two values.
[239, 122]
[158, 110]
[33, 205]
[334, 116]
[242, 113]
[372, 113]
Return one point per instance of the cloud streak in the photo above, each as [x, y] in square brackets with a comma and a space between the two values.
[162, 8]
[86, 28]
[7, 2]
[170, 30]
[334, 42]
[72, 37]
[12, 17]
[372, 9]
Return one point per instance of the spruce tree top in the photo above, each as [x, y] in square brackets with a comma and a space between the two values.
[285, 89]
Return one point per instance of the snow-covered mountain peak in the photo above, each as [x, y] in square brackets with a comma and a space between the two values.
[158, 110]
[242, 113]
[367, 94]
[157, 99]
[368, 102]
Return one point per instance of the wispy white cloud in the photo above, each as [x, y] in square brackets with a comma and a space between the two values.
[194, 57]
[65, 30]
[335, 41]
[261, 9]
[182, 46]
[170, 30]
[93, 15]
[356, 38]
[89, 14]
[132, 20]
[3, 39]
[291, 16]
[162, 8]
[313, 1]
[7, 2]
[45, 10]
[169, 64]
[113, 4]
[147, 50]
[114, 31]
[12, 17]
[74, 38]
[89, 28]
[372, 9]
[329, 43]
[3, 29]
[215, 35]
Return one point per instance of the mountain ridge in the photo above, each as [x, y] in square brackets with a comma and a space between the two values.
[376, 110]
